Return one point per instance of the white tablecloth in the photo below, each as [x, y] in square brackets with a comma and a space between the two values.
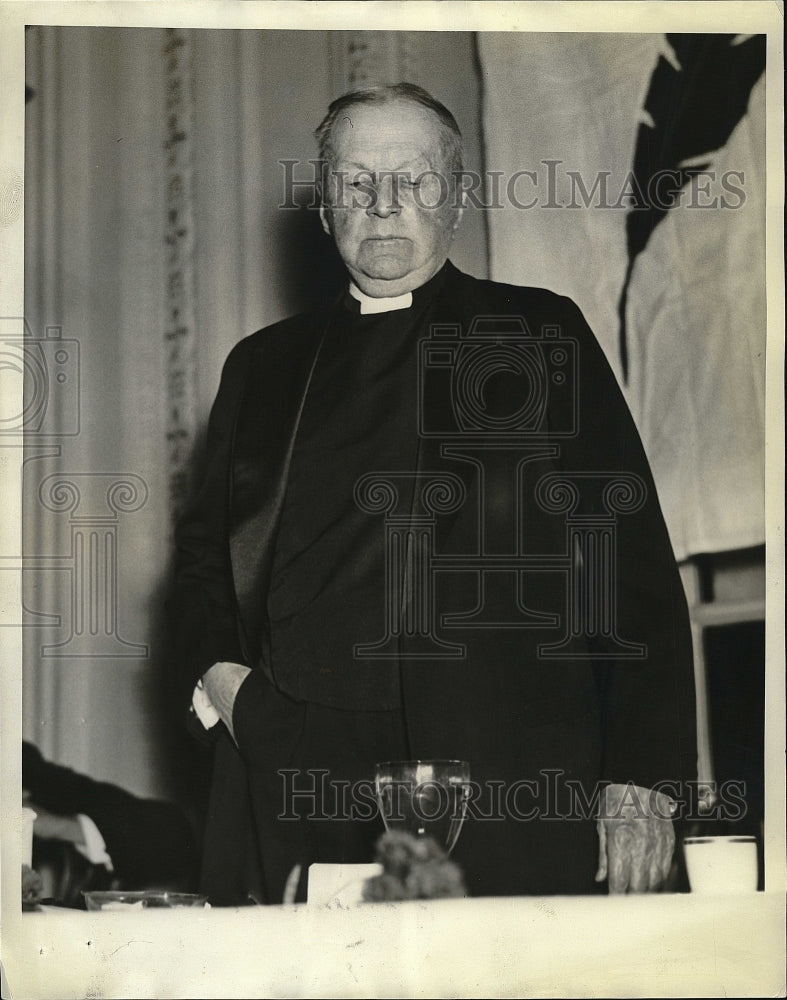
[630, 946]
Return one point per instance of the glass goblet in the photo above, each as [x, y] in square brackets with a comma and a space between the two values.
[426, 798]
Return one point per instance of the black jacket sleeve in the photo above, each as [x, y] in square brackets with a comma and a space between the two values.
[647, 703]
[150, 841]
[202, 605]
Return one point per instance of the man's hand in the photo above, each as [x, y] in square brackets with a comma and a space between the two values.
[221, 685]
[636, 839]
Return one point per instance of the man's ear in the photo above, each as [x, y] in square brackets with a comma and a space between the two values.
[460, 211]
[325, 218]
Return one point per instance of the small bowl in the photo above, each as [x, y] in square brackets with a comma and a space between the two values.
[149, 899]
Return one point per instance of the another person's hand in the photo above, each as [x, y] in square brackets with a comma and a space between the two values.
[52, 826]
[221, 683]
[636, 839]
[32, 888]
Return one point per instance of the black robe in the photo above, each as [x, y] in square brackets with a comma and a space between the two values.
[544, 693]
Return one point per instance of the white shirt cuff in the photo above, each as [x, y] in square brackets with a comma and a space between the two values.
[94, 848]
[203, 707]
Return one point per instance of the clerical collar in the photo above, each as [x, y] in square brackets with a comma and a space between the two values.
[371, 305]
[358, 302]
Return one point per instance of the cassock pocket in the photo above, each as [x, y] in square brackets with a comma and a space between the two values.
[267, 724]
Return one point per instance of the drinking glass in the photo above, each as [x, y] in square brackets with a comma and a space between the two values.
[427, 798]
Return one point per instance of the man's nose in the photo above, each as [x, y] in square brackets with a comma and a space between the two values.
[386, 198]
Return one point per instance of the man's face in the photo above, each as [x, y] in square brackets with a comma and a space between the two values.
[391, 215]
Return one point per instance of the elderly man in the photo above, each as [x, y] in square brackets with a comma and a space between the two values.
[428, 529]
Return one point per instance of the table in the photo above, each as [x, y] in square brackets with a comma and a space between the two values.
[667, 945]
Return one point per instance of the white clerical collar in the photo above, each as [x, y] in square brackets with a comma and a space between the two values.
[370, 305]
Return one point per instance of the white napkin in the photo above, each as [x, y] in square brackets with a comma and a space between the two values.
[338, 885]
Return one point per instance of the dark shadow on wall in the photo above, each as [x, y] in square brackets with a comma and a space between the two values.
[183, 764]
[312, 273]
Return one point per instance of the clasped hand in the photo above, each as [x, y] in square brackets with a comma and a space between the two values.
[636, 839]
[222, 682]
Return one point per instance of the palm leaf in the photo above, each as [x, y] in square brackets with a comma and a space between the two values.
[691, 111]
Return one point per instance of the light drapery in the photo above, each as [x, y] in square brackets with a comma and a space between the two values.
[567, 108]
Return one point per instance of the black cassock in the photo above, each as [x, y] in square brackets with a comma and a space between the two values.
[431, 533]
